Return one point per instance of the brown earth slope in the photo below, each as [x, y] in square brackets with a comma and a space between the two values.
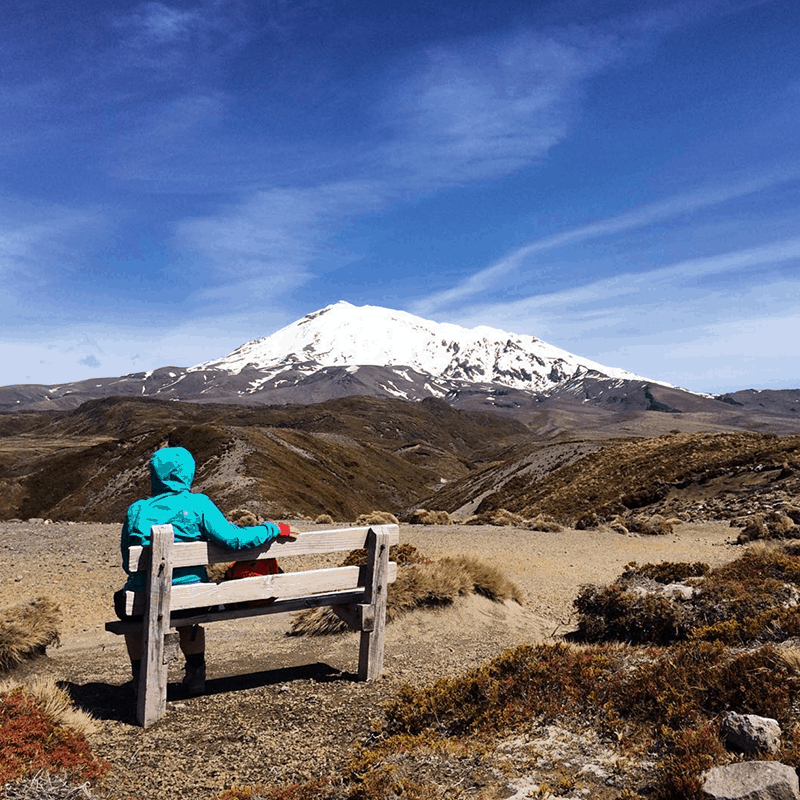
[342, 457]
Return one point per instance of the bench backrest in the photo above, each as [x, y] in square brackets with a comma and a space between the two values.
[304, 584]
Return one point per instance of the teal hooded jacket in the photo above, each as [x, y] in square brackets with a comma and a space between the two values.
[193, 517]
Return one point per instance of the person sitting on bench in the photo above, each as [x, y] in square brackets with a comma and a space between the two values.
[193, 517]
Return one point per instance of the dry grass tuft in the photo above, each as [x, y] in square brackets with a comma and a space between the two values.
[56, 704]
[499, 517]
[419, 584]
[775, 525]
[377, 518]
[422, 516]
[654, 525]
[543, 522]
[243, 517]
[26, 630]
[324, 519]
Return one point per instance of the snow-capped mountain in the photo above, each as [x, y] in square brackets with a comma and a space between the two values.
[345, 350]
[343, 335]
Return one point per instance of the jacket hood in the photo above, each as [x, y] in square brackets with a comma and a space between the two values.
[171, 470]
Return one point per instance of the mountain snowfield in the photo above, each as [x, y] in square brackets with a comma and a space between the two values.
[344, 335]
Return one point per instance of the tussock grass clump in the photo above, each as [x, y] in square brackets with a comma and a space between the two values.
[41, 730]
[775, 525]
[543, 522]
[654, 525]
[749, 601]
[663, 702]
[419, 584]
[243, 517]
[324, 519]
[423, 516]
[499, 517]
[377, 518]
[26, 630]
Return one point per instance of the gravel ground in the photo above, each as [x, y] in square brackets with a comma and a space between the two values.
[282, 708]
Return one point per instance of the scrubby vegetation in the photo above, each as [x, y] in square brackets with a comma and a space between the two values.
[424, 516]
[377, 518]
[41, 731]
[665, 474]
[420, 583]
[751, 600]
[659, 704]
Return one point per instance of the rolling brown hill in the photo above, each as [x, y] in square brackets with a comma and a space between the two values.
[352, 455]
[342, 457]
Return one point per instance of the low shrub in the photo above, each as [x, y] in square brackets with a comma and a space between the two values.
[654, 525]
[36, 735]
[324, 519]
[775, 525]
[543, 522]
[752, 600]
[26, 630]
[663, 702]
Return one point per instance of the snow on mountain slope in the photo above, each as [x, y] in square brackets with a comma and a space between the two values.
[347, 335]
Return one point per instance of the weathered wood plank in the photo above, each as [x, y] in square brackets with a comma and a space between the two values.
[288, 584]
[371, 650]
[313, 542]
[284, 585]
[152, 702]
[278, 607]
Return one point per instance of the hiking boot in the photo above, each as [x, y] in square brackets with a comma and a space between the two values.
[194, 681]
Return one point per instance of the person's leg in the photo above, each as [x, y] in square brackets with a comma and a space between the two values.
[133, 642]
[193, 645]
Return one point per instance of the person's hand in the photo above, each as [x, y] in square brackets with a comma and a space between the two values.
[286, 533]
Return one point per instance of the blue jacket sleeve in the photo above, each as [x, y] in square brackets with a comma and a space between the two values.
[225, 534]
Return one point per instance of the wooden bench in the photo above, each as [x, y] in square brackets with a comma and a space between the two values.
[356, 594]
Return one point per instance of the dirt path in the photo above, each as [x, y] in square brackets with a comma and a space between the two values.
[281, 708]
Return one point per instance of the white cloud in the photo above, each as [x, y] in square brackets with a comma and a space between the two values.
[480, 108]
[675, 207]
[267, 244]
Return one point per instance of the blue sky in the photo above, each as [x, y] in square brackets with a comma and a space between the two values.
[620, 179]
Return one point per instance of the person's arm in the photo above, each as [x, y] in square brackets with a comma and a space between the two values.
[225, 534]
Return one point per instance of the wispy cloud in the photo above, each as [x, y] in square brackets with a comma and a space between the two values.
[477, 109]
[272, 238]
[673, 208]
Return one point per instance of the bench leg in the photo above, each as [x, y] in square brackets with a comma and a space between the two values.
[373, 634]
[152, 701]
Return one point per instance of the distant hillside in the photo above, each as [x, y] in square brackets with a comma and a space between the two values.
[342, 457]
[700, 476]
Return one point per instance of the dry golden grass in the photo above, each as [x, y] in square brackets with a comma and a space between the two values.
[56, 704]
[499, 517]
[26, 630]
[324, 519]
[422, 585]
[377, 518]
[423, 516]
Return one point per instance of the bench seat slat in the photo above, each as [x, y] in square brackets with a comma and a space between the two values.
[278, 607]
[313, 542]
